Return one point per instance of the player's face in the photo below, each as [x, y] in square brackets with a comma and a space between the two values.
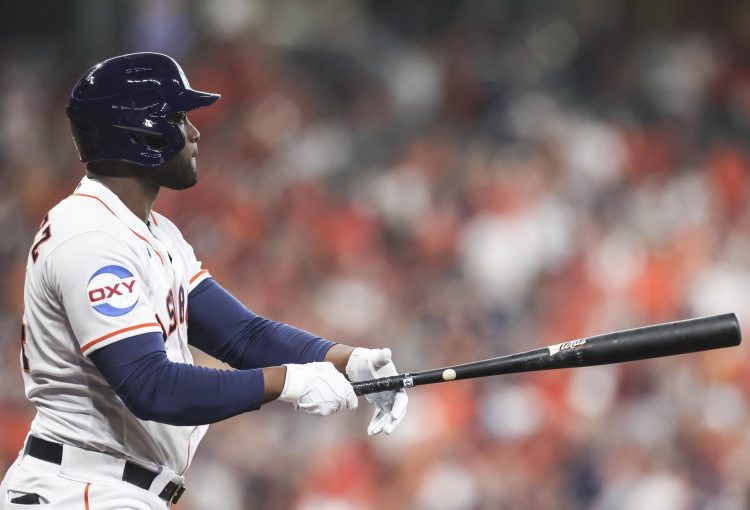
[180, 172]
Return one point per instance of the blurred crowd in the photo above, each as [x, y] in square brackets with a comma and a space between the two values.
[457, 181]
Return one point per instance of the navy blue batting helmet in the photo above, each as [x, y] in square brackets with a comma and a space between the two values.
[118, 109]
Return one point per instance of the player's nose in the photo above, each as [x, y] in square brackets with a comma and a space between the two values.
[193, 134]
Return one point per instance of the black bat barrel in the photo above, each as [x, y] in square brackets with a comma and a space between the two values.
[667, 339]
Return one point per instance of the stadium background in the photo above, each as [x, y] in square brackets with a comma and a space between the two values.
[455, 180]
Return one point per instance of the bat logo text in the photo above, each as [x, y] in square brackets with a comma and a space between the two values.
[554, 349]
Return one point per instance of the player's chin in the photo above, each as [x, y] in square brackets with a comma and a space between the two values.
[176, 175]
[187, 179]
[183, 184]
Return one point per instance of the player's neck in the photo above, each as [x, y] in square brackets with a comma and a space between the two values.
[136, 193]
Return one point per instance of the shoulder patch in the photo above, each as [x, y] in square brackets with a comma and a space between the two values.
[113, 291]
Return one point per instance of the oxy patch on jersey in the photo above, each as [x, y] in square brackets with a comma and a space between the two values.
[112, 291]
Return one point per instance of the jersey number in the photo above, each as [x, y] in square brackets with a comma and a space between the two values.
[46, 230]
[176, 316]
[24, 358]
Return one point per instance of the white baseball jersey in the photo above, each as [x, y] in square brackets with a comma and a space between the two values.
[97, 274]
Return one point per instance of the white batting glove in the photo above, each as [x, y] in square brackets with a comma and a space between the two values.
[390, 406]
[317, 388]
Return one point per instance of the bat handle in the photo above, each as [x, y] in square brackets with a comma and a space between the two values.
[395, 382]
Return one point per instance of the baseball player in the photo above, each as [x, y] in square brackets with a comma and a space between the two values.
[113, 298]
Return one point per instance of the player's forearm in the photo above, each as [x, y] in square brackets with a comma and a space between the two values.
[189, 395]
[339, 355]
[224, 328]
[154, 388]
[273, 382]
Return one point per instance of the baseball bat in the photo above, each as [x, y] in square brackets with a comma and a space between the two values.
[669, 339]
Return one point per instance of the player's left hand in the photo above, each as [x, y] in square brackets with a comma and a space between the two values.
[390, 406]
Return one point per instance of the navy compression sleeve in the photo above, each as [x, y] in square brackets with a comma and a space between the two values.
[218, 324]
[154, 388]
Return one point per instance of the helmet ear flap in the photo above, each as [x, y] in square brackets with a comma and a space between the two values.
[150, 102]
[155, 142]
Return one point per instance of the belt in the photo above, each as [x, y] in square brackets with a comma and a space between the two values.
[132, 473]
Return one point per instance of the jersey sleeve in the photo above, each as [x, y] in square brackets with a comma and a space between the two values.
[101, 284]
[195, 270]
[193, 267]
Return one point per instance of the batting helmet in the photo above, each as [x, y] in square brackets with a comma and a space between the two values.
[118, 109]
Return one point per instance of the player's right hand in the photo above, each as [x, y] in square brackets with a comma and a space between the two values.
[317, 388]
